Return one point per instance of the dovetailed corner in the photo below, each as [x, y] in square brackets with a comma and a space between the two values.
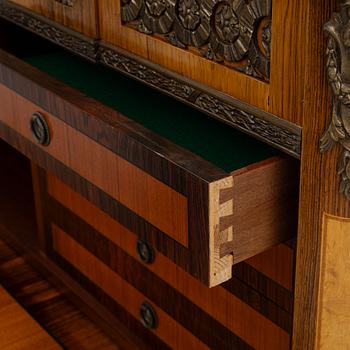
[221, 231]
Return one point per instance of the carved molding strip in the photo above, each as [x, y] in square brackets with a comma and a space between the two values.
[236, 33]
[338, 73]
[50, 30]
[265, 126]
[262, 125]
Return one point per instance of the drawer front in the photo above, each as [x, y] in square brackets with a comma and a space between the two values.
[77, 224]
[157, 203]
[201, 217]
[78, 15]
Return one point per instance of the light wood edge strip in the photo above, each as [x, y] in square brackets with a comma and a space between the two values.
[333, 316]
[122, 292]
[220, 268]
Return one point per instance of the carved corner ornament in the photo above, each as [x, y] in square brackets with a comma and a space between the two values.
[338, 72]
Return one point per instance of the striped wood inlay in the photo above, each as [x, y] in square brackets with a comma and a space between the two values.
[148, 197]
[218, 302]
[123, 293]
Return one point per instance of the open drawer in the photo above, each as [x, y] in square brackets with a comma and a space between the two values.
[204, 194]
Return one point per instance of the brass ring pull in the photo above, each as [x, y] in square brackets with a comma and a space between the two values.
[148, 316]
[40, 129]
[145, 252]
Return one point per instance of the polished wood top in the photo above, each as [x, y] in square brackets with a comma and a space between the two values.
[18, 330]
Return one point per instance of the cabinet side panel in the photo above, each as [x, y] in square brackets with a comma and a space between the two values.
[334, 296]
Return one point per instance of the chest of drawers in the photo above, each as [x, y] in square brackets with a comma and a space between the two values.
[174, 150]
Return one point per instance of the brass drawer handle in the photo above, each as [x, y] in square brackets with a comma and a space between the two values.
[148, 316]
[40, 129]
[145, 252]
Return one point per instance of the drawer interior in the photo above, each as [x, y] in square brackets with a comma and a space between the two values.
[221, 145]
[217, 143]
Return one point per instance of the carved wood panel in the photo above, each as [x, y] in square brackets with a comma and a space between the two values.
[236, 33]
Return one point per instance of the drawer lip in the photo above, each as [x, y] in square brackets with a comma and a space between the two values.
[79, 111]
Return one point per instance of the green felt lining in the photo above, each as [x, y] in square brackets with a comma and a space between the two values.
[216, 142]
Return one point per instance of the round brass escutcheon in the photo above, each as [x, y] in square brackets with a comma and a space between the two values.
[148, 316]
[40, 129]
[145, 251]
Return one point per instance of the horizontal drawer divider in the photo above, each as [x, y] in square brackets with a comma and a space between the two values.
[158, 291]
[115, 284]
[208, 330]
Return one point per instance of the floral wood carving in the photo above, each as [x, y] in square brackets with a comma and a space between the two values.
[338, 72]
[226, 31]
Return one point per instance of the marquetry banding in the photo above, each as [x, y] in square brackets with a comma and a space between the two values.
[122, 292]
[213, 301]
